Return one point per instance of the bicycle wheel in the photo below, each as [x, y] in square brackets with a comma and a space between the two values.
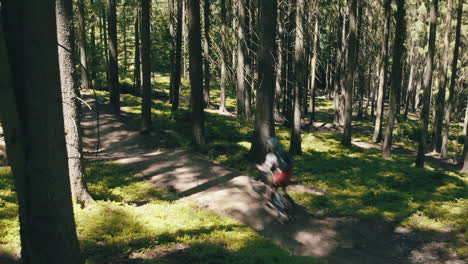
[258, 187]
[284, 206]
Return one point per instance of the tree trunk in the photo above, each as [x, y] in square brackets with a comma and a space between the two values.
[352, 61]
[314, 65]
[105, 43]
[32, 117]
[172, 33]
[299, 61]
[465, 145]
[248, 64]
[410, 89]
[377, 137]
[264, 122]
[206, 52]
[136, 72]
[398, 48]
[146, 65]
[427, 84]
[241, 53]
[223, 57]
[83, 46]
[338, 69]
[113, 57]
[196, 74]
[440, 101]
[178, 59]
[64, 13]
[124, 27]
[450, 102]
[93, 50]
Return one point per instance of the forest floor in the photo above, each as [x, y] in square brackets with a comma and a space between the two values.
[333, 238]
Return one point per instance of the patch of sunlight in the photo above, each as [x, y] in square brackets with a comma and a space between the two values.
[164, 79]
[246, 144]
[9, 222]
[419, 221]
[131, 109]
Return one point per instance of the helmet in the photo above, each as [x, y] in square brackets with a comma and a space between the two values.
[273, 144]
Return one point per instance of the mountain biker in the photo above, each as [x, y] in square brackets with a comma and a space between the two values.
[278, 164]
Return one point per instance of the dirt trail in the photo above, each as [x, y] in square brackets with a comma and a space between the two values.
[335, 239]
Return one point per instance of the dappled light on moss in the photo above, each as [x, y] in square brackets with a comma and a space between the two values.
[9, 222]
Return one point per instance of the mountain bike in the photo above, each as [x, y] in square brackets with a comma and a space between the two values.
[281, 206]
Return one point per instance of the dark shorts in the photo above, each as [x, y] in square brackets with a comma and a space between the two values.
[282, 178]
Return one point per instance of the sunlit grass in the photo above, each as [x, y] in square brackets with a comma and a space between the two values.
[9, 222]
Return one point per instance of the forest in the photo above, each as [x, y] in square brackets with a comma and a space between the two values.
[131, 131]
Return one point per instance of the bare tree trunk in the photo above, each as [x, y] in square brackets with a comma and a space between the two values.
[410, 89]
[83, 47]
[337, 76]
[178, 59]
[377, 137]
[352, 61]
[465, 145]
[196, 74]
[299, 61]
[113, 58]
[248, 64]
[32, 117]
[64, 14]
[93, 52]
[136, 72]
[314, 64]
[440, 101]
[264, 122]
[124, 27]
[450, 102]
[223, 56]
[241, 53]
[398, 48]
[206, 52]
[172, 33]
[146, 65]
[427, 84]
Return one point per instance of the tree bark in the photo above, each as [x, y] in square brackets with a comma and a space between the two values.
[377, 137]
[465, 145]
[146, 65]
[64, 14]
[248, 64]
[175, 84]
[338, 69]
[314, 64]
[172, 33]
[350, 72]
[83, 46]
[196, 74]
[136, 72]
[206, 52]
[264, 121]
[223, 57]
[427, 84]
[440, 101]
[32, 117]
[450, 102]
[241, 53]
[398, 49]
[299, 61]
[113, 57]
